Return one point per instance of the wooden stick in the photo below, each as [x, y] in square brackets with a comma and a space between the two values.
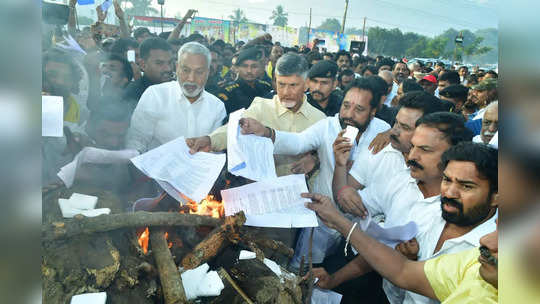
[225, 276]
[169, 276]
[218, 239]
[103, 223]
[310, 273]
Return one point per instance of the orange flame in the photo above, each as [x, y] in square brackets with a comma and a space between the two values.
[144, 237]
[143, 240]
[208, 207]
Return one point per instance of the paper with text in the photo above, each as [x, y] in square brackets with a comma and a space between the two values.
[249, 156]
[190, 174]
[390, 236]
[52, 116]
[272, 203]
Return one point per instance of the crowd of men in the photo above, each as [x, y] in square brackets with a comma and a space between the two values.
[425, 150]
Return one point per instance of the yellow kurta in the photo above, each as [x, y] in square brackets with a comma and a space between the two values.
[73, 113]
[272, 114]
[455, 278]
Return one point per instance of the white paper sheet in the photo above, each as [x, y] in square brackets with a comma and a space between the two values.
[191, 174]
[89, 298]
[91, 155]
[52, 116]
[272, 203]
[390, 236]
[325, 296]
[249, 156]
[351, 133]
[199, 282]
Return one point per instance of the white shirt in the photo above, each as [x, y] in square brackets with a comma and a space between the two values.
[428, 217]
[478, 139]
[391, 95]
[320, 137]
[164, 113]
[377, 168]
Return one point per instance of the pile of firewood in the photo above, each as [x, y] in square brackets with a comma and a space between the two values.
[103, 254]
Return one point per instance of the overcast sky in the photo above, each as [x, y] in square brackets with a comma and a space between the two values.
[428, 17]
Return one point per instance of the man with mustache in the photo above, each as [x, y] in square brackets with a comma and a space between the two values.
[177, 108]
[490, 124]
[287, 111]
[241, 92]
[377, 168]
[357, 110]
[392, 194]
[322, 84]
[468, 276]
[157, 65]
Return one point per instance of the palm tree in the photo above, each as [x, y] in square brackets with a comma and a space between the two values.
[279, 16]
[140, 8]
[238, 17]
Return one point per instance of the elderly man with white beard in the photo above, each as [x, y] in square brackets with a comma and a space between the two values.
[177, 108]
[490, 124]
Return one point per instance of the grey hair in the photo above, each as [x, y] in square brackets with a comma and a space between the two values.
[195, 48]
[492, 104]
[292, 64]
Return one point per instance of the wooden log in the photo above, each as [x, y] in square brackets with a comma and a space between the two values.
[103, 223]
[218, 239]
[232, 293]
[169, 276]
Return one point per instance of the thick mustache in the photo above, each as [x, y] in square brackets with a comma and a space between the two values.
[394, 138]
[413, 163]
[452, 202]
[317, 92]
[484, 252]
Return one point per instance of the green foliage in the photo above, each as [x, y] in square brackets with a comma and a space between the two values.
[279, 16]
[330, 24]
[392, 42]
[238, 17]
[139, 8]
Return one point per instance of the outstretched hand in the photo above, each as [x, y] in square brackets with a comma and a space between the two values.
[252, 126]
[198, 144]
[325, 209]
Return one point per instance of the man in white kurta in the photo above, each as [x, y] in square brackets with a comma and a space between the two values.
[178, 108]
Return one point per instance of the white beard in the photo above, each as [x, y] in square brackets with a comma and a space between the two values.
[289, 104]
[192, 94]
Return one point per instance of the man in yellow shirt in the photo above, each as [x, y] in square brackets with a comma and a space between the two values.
[469, 276]
[287, 111]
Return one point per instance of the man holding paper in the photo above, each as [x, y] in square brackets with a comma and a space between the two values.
[456, 225]
[357, 110]
[287, 111]
[172, 109]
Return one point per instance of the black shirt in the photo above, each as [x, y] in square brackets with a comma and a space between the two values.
[239, 94]
[333, 106]
[212, 85]
[134, 90]
[387, 114]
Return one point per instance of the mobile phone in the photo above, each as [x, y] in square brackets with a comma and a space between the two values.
[131, 56]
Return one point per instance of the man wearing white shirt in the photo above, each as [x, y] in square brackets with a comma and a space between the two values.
[469, 203]
[433, 135]
[178, 108]
[467, 209]
[378, 168]
[357, 110]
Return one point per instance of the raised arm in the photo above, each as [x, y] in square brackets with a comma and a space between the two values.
[72, 19]
[387, 262]
[178, 28]
[124, 29]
